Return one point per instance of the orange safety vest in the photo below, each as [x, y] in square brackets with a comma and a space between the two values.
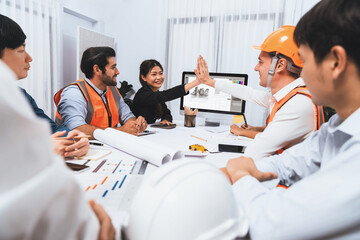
[298, 90]
[99, 114]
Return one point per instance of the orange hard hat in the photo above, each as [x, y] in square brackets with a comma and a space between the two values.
[282, 41]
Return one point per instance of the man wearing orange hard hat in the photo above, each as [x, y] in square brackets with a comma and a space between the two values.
[292, 115]
[280, 45]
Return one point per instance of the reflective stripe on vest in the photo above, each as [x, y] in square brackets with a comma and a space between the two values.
[299, 90]
[99, 114]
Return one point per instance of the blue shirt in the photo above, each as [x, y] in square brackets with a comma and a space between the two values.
[40, 113]
[323, 200]
[73, 106]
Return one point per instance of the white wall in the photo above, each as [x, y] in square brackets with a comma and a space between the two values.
[70, 65]
[89, 8]
[70, 21]
[301, 7]
[139, 31]
[136, 26]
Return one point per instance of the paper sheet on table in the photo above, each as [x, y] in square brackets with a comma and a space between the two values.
[95, 154]
[138, 147]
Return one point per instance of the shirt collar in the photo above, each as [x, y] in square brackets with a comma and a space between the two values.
[100, 92]
[285, 90]
[349, 126]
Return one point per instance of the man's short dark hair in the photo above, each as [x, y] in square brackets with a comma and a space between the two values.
[11, 34]
[331, 23]
[95, 55]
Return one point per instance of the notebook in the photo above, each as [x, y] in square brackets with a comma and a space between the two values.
[95, 154]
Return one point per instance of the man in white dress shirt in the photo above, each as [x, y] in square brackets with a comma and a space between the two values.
[322, 201]
[293, 116]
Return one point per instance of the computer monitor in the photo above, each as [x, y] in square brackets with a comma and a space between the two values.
[207, 99]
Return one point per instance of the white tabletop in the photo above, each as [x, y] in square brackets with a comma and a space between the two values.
[103, 184]
[182, 137]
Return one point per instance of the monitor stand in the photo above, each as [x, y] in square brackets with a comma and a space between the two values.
[211, 122]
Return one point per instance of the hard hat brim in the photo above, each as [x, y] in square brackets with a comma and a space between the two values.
[257, 47]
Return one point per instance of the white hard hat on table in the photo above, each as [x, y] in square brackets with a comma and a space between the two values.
[186, 199]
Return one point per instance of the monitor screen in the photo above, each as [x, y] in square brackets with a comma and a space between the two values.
[207, 99]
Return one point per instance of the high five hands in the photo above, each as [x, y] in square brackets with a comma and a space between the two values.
[202, 72]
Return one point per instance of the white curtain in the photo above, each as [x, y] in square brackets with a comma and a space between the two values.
[223, 32]
[39, 19]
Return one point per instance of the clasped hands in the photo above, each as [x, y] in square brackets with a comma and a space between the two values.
[237, 168]
[134, 126]
[68, 146]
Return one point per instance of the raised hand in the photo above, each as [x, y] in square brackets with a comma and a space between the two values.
[202, 72]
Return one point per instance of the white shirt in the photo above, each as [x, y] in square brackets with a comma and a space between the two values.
[323, 201]
[39, 196]
[292, 123]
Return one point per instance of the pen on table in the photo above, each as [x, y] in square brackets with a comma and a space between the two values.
[96, 144]
[73, 138]
[199, 138]
[246, 125]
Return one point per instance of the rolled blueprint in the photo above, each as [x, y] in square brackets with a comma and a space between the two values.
[138, 147]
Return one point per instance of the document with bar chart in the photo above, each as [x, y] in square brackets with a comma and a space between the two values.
[113, 181]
